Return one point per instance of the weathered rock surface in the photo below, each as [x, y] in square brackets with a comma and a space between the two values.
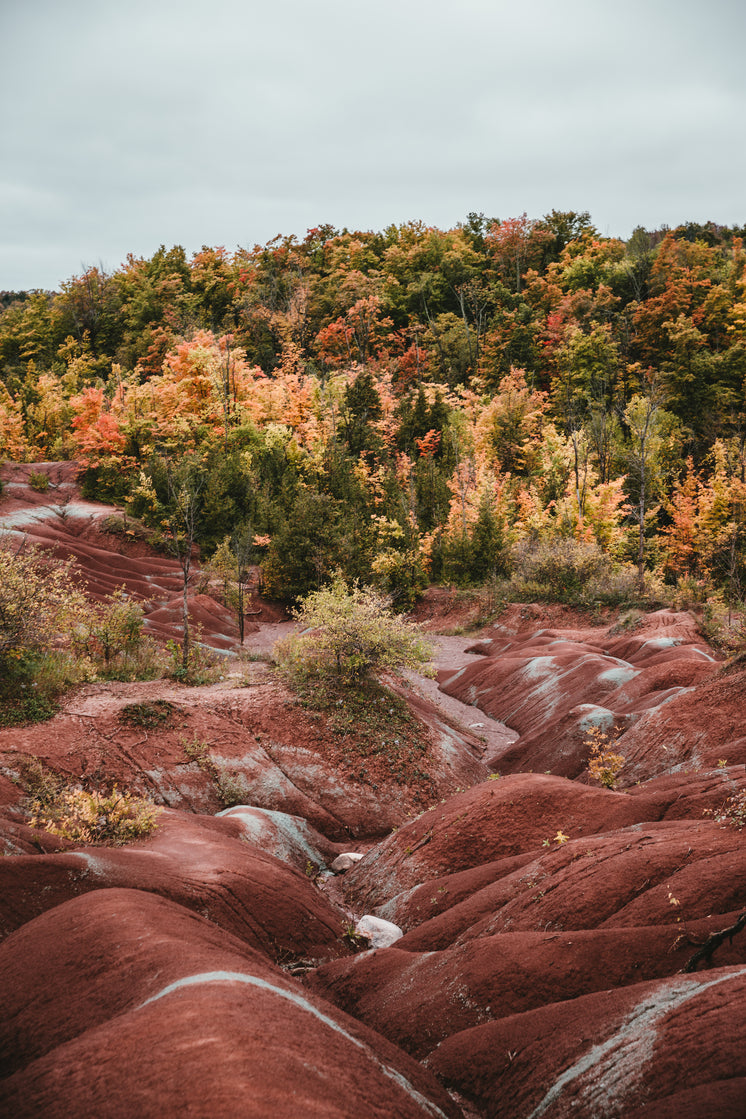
[554, 687]
[273, 754]
[491, 821]
[661, 1048]
[119, 1003]
[417, 999]
[202, 863]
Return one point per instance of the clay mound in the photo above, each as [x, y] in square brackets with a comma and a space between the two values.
[691, 795]
[493, 820]
[700, 729]
[267, 750]
[651, 1046]
[655, 684]
[418, 999]
[209, 617]
[67, 526]
[655, 632]
[555, 689]
[103, 569]
[202, 863]
[664, 874]
[123, 1004]
[285, 837]
[419, 904]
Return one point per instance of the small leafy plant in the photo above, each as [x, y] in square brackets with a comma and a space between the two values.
[603, 764]
[39, 481]
[202, 666]
[732, 812]
[40, 783]
[355, 940]
[94, 818]
[230, 786]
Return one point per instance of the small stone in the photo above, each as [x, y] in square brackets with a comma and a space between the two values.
[379, 933]
[344, 861]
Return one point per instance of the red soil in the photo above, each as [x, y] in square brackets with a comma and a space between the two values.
[547, 921]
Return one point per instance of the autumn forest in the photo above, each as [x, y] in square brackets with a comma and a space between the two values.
[524, 402]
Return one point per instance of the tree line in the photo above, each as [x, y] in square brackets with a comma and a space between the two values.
[515, 399]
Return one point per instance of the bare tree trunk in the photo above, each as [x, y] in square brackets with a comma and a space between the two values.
[185, 488]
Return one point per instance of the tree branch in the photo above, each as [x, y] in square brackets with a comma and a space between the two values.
[714, 941]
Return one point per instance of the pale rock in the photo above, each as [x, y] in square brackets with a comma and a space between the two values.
[344, 861]
[379, 933]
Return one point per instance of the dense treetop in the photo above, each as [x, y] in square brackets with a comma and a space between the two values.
[408, 404]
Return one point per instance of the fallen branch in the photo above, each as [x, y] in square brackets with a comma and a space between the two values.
[714, 940]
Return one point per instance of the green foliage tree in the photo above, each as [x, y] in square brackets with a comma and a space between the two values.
[309, 544]
[185, 485]
[39, 605]
[232, 564]
[375, 349]
[361, 409]
[649, 425]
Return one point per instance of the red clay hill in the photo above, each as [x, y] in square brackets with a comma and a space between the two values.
[566, 949]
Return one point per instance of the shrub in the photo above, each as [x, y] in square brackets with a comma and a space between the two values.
[732, 812]
[352, 634]
[202, 664]
[31, 683]
[559, 570]
[38, 601]
[112, 634]
[156, 714]
[39, 481]
[39, 604]
[38, 782]
[123, 525]
[230, 786]
[619, 586]
[93, 818]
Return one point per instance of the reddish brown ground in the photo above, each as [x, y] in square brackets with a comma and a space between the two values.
[547, 920]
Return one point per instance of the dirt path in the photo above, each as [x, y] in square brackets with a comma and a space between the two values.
[451, 656]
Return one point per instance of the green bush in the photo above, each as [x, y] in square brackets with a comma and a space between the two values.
[559, 570]
[114, 627]
[39, 481]
[352, 634]
[39, 605]
[112, 636]
[203, 665]
[31, 684]
[159, 713]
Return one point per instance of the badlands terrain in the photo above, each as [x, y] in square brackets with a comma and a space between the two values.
[567, 949]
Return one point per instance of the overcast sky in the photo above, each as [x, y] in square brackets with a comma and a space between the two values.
[144, 122]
